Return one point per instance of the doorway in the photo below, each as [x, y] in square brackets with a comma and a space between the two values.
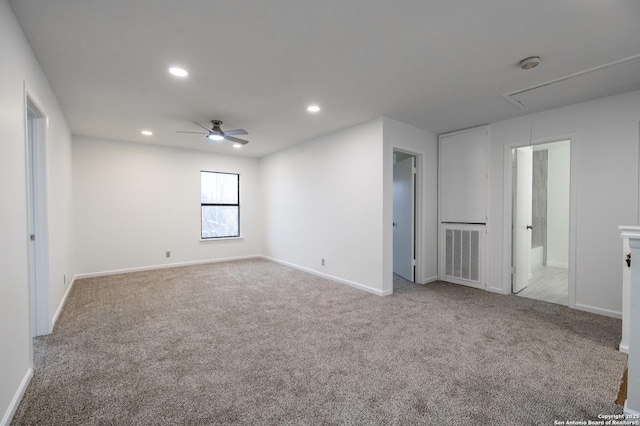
[540, 221]
[37, 208]
[404, 216]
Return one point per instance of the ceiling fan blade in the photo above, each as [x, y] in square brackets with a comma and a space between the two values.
[235, 132]
[195, 133]
[203, 126]
[232, 139]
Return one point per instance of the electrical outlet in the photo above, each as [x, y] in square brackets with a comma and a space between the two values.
[322, 261]
[168, 254]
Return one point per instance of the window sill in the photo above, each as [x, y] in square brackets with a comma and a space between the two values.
[222, 239]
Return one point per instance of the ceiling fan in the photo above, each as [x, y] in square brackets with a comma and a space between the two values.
[216, 134]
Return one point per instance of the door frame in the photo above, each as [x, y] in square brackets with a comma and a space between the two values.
[417, 213]
[37, 207]
[507, 234]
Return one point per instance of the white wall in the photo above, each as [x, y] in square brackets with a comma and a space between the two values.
[134, 202]
[558, 192]
[424, 145]
[19, 68]
[323, 199]
[62, 266]
[604, 154]
[332, 198]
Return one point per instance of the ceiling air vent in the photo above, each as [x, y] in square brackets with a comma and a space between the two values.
[606, 80]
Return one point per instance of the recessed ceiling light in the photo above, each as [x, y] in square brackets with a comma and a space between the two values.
[528, 63]
[237, 145]
[147, 132]
[178, 72]
[313, 108]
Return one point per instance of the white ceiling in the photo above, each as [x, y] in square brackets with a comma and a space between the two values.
[441, 65]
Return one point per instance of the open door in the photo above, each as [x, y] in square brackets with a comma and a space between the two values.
[38, 229]
[403, 218]
[522, 225]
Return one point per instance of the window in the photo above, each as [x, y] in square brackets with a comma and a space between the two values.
[220, 204]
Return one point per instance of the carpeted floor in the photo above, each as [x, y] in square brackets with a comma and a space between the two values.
[256, 343]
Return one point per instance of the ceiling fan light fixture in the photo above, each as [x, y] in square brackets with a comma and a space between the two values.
[216, 134]
[528, 63]
[178, 72]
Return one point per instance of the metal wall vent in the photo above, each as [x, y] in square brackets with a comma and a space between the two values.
[462, 261]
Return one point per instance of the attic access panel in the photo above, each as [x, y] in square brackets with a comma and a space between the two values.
[611, 79]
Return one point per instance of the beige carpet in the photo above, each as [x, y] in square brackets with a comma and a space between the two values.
[253, 342]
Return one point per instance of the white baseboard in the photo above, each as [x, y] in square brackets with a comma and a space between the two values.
[498, 290]
[633, 414]
[558, 265]
[331, 277]
[623, 348]
[164, 266]
[15, 401]
[62, 302]
[461, 281]
[430, 280]
[599, 311]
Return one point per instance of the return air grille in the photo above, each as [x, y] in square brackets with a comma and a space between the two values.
[462, 254]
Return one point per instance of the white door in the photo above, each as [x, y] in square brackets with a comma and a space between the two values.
[522, 215]
[403, 218]
[37, 207]
[32, 222]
